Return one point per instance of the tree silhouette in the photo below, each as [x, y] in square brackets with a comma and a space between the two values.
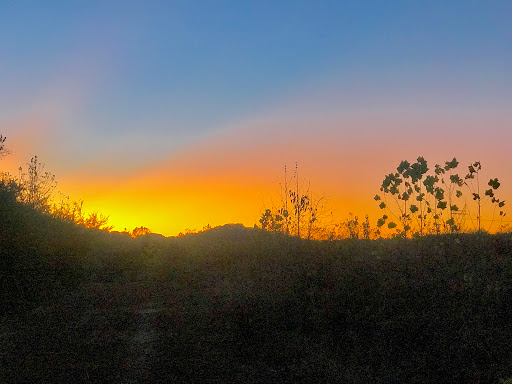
[430, 203]
[36, 186]
[9, 189]
[96, 220]
[3, 151]
[409, 194]
[299, 212]
[139, 231]
[271, 222]
[68, 210]
[472, 182]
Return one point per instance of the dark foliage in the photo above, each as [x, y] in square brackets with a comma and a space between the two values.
[245, 305]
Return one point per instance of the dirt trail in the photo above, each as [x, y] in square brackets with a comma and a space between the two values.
[142, 344]
[108, 336]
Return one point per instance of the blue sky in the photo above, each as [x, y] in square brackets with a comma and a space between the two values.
[116, 86]
[183, 70]
[197, 65]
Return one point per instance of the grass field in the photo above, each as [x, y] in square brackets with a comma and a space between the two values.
[237, 305]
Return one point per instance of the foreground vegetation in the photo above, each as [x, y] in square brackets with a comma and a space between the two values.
[245, 305]
[231, 304]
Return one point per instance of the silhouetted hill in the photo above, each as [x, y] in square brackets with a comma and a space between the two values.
[236, 304]
[226, 230]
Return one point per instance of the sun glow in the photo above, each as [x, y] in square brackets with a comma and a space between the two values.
[234, 176]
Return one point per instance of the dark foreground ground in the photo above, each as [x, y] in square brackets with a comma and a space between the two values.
[242, 306]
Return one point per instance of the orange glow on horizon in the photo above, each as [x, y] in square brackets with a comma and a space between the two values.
[233, 176]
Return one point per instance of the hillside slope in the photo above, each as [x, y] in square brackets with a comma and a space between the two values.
[243, 305]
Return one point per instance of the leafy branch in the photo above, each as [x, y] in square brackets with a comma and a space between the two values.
[424, 203]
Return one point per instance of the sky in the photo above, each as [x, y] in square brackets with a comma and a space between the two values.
[179, 114]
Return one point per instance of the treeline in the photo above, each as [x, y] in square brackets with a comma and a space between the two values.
[36, 188]
[418, 203]
[414, 201]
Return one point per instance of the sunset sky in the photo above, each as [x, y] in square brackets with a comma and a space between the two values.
[179, 114]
